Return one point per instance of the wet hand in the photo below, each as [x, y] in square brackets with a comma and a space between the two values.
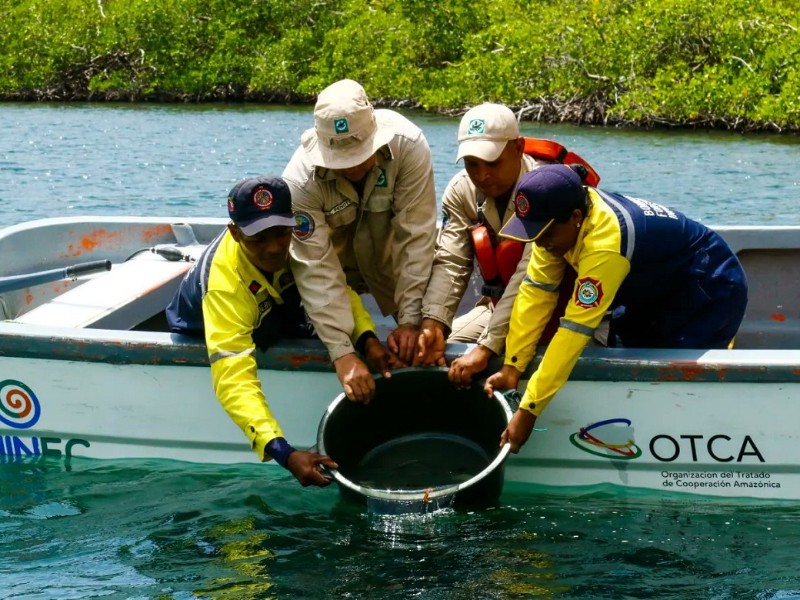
[308, 468]
[403, 341]
[430, 344]
[463, 368]
[518, 430]
[357, 381]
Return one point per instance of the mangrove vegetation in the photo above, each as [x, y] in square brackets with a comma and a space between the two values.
[731, 64]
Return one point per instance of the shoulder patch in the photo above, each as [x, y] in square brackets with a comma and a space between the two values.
[588, 292]
[304, 225]
[445, 217]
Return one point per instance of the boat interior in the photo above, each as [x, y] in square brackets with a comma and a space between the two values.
[149, 256]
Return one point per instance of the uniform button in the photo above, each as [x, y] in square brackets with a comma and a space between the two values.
[513, 359]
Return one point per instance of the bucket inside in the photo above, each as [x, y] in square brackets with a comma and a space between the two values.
[420, 441]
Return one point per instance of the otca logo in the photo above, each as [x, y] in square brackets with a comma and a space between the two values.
[615, 439]
[20, 409]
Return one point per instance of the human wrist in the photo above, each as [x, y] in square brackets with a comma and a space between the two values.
[363, 340]
[279, 450]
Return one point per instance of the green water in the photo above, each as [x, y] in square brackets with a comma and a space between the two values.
[160, 529]
[141, 530]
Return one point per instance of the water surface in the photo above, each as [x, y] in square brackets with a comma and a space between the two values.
[169, 530]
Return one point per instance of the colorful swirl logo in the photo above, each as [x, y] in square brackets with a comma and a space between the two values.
[19, 406]
[610, 439]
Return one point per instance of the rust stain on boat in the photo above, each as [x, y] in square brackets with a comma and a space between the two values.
[298, 360]
[156, 232]
[692, 373]
[94, 239]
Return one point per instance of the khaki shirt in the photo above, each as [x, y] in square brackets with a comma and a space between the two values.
[454, 260]
[381, 241]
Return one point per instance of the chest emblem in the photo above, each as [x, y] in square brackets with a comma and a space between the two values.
[381, 182]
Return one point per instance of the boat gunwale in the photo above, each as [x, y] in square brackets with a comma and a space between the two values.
[596, 364]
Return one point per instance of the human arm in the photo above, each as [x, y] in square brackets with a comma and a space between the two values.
[494, 336]
[228, 320]
[228, 329]
[453, 259]
[414, 232]
[491, 342]
[599, 277]
[314, 262]
[354, 375]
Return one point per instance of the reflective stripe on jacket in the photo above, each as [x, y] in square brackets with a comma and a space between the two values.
[228, 300]
[633, 256]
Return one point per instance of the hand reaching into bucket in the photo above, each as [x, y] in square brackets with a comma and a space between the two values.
[402, 341]
[380, 359]
[464, 367]
[430, 344]
[507, 378]
[309, 467]
[357, 381]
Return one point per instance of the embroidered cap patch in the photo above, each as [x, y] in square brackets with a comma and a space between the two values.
[340, 125]
[522, 204]
[262, 198]
[476, 127]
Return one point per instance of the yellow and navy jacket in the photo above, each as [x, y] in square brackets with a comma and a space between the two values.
[234, 305]
[645, 262]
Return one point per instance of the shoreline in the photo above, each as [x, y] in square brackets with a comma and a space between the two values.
[546, 111]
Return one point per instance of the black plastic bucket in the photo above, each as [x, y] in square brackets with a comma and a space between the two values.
[420, 443]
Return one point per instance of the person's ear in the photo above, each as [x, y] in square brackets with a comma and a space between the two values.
[235, 233]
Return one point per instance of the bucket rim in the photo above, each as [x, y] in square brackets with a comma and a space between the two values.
[417, 494]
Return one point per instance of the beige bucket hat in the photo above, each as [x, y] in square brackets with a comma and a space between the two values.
[345, 132]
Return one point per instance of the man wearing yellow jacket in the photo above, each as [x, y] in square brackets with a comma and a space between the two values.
[668, 281]
[240, 294]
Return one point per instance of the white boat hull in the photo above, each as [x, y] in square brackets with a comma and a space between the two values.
[718, 423]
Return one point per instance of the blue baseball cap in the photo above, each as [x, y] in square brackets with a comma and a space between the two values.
[258, 203]
[544, 196]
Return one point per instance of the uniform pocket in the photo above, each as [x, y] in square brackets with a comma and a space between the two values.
[379, 202]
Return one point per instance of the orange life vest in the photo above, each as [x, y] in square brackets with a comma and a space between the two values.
[498, 258]
[553, 151]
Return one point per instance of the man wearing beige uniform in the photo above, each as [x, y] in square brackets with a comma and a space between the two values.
[364, 200]
[489, 142]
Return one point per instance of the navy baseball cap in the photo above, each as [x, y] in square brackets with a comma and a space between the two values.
[544, 196]
[258, 203]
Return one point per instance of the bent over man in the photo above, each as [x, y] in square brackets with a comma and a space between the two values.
[475, 205]
[240, 294]
[363, 195]
[669, 281]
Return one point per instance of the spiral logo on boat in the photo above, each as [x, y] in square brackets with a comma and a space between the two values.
[19, 406]
[611, 438]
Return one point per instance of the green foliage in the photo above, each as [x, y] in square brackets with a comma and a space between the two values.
[730, 63]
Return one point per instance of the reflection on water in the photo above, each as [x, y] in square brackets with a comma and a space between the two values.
[161, 529]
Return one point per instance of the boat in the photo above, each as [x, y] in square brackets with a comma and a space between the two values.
[88, 369]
